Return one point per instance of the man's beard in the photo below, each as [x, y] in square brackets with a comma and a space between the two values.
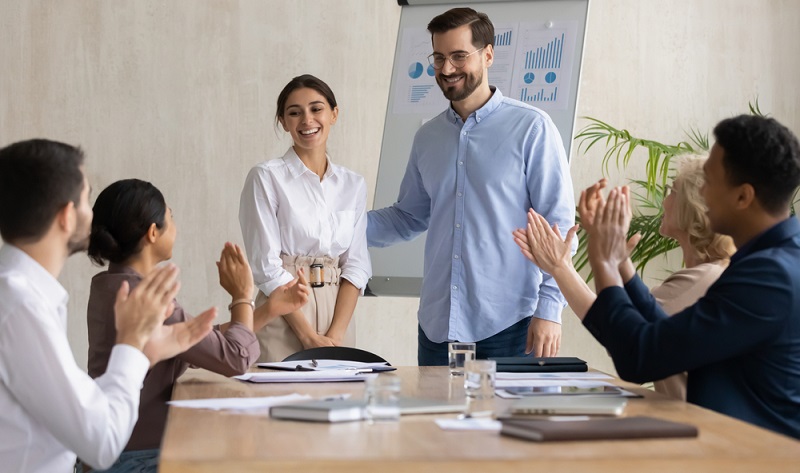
[79, 241]
[78, 245]
[471, 82]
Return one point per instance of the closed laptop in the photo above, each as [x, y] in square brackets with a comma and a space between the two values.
[570, 405]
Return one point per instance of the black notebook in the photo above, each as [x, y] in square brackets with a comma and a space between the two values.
[595, 429]
[527, 364]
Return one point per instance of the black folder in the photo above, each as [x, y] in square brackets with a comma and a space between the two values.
[528, 364]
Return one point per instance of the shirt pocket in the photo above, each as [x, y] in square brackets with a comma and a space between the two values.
[344, 222]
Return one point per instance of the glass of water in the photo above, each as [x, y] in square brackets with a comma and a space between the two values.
[479, 382]
[382, 395]
[457, 354]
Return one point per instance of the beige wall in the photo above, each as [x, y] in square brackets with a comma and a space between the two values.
[181, 93]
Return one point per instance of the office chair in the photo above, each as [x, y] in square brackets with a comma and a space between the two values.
[336, 353]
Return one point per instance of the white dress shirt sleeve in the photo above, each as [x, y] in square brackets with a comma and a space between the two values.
[261, 233]
[355, 261]
[92, 418]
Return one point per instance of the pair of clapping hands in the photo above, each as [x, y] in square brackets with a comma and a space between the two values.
[140, 313]
[606, 221]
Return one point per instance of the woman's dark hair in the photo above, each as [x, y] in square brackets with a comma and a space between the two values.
[122, 214]
[306, 81]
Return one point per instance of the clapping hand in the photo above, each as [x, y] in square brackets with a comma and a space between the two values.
[544, 246]
[590, 200]
[235, 275]
[608, 246]
[284, 300]
[140, 315]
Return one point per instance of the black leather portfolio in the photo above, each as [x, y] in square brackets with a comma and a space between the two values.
[527, 364]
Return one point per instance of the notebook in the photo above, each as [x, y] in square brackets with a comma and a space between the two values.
[526, 364]
[595, 429]
[341, 410]
[570, 405]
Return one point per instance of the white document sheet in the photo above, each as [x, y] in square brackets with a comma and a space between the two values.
[469, 424]
[239, 403]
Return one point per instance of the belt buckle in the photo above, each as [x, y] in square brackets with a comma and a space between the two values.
[317, 276]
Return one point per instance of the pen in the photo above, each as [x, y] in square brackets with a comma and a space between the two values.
[314, 363]
[336, 397]
[302, 368]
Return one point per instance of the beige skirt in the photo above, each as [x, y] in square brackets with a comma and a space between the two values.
[277, 339]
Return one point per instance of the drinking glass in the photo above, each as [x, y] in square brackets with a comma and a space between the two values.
[479, 377]
[457, 354]
[382, 394]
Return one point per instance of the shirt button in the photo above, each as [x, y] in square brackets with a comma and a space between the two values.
[460, 194]
[463, 133]
[461, 163]
[455, 256]
[458, 225]
[455, 288]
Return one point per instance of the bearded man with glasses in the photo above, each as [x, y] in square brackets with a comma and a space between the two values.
[473, 173]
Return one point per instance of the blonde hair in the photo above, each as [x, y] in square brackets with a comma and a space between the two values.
[690, 212]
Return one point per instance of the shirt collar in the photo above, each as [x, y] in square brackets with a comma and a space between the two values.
[494, 101]
[53, 293]
[297, 168]
[770, 238]
[116, 268]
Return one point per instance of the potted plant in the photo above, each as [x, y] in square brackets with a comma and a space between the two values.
[649, 193]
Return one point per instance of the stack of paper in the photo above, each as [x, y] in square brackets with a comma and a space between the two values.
[306, 376]
[326, 365]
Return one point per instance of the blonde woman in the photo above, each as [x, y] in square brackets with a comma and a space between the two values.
[705, 254]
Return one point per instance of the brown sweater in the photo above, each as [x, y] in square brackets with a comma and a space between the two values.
[229, 353]
[680, 290]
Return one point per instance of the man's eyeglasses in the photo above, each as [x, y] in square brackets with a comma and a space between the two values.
[458, 60]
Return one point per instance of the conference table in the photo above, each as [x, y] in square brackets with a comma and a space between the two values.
[226, 441]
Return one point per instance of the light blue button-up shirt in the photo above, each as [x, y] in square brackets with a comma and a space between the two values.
[470, 184]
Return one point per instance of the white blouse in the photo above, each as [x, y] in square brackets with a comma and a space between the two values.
[285, 208]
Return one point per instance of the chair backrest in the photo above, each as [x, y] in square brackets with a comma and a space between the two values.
[336, 353]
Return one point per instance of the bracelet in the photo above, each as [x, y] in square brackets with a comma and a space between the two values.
[242, 301]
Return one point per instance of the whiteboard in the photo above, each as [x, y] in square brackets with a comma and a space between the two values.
[538, 55]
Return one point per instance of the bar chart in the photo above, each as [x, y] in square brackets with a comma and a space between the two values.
[543, 65]
[418, 92]
[502, 39]
[542, 95]
[546, 56]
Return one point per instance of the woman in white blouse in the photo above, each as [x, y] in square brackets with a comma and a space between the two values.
[302, 211]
